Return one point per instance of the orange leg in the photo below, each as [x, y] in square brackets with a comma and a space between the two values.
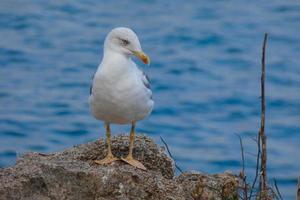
[129, 159]
[109, 157]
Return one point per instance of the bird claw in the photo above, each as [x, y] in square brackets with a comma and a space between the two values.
[135, 163]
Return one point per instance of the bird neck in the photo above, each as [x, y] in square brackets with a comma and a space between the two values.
[110, 53]
[115, 62]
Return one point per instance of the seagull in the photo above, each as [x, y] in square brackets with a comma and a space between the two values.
[120, 92]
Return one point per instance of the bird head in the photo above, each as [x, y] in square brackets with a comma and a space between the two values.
[125, 41]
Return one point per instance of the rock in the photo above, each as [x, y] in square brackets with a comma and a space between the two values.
[72, 174]
[199, 186]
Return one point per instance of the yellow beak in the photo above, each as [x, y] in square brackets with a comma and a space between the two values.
[141, 55]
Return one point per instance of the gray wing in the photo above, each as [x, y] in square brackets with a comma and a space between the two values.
[91, 85]
[146, 80]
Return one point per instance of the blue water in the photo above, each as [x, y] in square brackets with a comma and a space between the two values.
[205, 75]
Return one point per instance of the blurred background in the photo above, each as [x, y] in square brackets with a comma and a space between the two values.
[205, 76]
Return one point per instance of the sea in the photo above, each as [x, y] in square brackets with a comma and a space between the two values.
[205, 76]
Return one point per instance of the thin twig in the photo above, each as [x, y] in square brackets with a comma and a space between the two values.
[257, 166]
[277, 190]
[254, 139]
[168, 150]
[243, 175]
[263, 167]
[261, 138]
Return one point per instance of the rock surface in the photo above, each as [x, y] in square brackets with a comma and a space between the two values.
[72, 174]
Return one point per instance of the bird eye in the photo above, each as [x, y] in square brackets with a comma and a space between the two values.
[124, 42]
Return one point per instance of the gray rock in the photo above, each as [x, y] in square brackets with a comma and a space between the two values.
[72, 174]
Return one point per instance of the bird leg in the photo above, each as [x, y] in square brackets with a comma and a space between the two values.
[109, 157]
[129, 159]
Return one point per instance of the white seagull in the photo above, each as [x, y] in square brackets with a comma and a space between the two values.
[120, 92]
